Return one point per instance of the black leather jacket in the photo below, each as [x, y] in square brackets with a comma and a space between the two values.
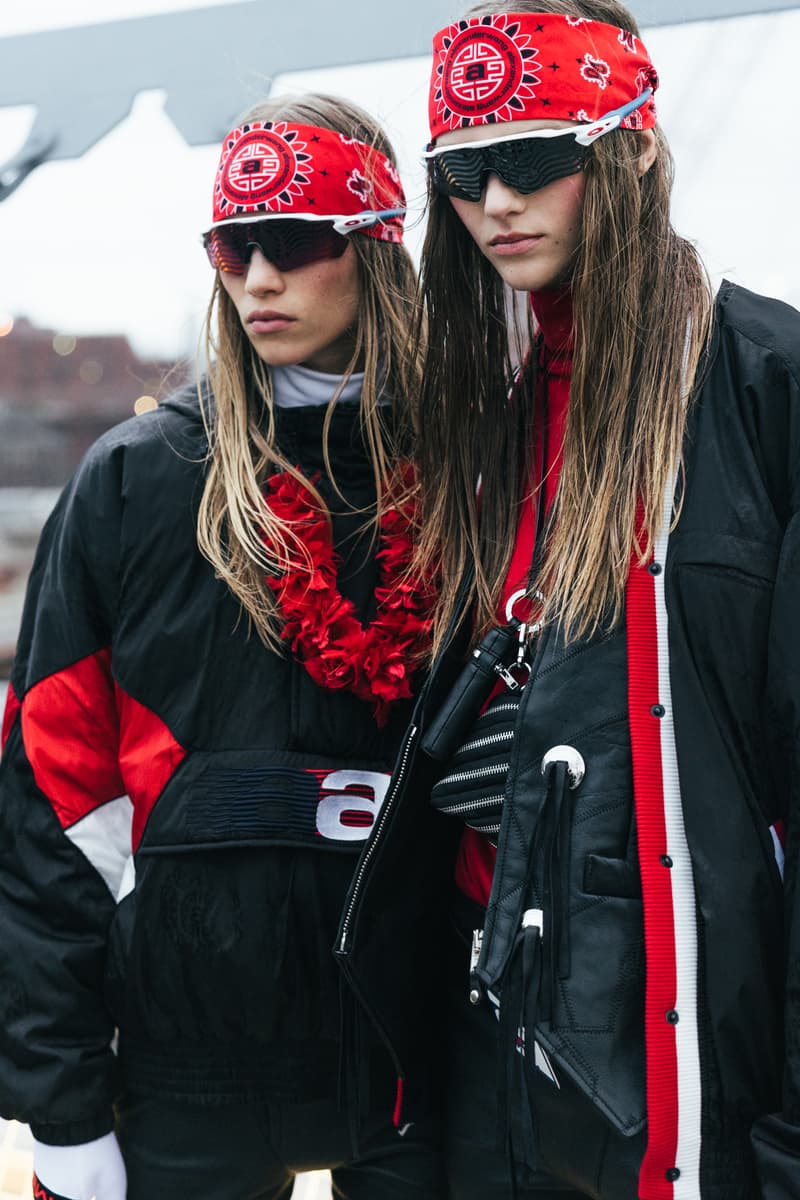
[639, 919]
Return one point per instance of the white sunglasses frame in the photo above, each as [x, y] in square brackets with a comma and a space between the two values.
[584, 135]
[341, 224]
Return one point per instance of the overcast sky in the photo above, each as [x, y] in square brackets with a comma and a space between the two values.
[109, 243]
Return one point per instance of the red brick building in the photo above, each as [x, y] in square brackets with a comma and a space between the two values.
[58, 392]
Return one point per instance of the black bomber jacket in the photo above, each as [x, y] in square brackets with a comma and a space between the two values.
[180, 808]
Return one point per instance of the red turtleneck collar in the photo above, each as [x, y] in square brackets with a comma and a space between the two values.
[553, 312]
[552, 308]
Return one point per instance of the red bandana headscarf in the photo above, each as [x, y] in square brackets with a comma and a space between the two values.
[523, 66]
[281, 169]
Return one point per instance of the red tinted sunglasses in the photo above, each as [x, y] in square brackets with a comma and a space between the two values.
[287, 244]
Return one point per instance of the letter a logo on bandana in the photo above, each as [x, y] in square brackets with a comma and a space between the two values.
[263, 166]
[486, 72]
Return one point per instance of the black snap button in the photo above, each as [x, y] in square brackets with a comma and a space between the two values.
[658, 710]
[666, 861]
[673, 1017]
[655, 568]
[673, 1175]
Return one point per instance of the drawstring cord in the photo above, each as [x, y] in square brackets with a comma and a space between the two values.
[557, 881]
[539, 959]
[553, 836]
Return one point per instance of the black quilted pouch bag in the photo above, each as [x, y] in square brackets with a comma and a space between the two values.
[475, 783]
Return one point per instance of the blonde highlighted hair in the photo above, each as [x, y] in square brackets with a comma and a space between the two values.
[242, 540]
[642, 311]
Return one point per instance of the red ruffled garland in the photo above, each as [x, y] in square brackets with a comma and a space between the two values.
[376, 662]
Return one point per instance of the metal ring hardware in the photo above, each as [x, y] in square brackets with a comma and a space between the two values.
[576, 767]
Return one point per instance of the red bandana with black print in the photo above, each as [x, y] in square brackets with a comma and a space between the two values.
[281, 169]
[533, 66]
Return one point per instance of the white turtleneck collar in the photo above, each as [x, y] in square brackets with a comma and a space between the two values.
[298, 387]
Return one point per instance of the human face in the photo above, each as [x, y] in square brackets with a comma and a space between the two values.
[530, 239]
[305, 317]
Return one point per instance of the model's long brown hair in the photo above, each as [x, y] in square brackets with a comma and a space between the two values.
[243, 451]
[642, 312]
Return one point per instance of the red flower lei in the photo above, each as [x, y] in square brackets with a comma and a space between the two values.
[375, 662]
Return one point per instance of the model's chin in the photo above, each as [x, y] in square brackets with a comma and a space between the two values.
[533, 276]
[277, 356]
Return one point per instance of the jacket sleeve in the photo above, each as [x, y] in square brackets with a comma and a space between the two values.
[62, 844]
[776, 1137]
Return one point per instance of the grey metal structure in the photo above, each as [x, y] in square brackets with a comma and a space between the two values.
[213, 62]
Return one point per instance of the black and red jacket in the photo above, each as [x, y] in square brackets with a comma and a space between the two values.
[667, 992]
[179, 806]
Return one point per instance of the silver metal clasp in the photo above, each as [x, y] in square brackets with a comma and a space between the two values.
[512, 600]
[508, 679]
[529, 630]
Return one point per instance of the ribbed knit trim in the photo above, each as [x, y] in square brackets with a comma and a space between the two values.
[674, 1092]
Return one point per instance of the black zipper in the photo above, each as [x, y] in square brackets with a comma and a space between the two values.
[388, 804]
[471, 806]
[402, 766]
[475, 773]
[488, 739]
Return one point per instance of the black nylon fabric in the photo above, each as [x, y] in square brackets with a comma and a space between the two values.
[217, 969]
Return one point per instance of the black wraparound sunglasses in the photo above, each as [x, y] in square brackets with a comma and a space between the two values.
[287, 244]
[524, 161]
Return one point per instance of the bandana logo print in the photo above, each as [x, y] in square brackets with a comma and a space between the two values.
[594, 70]
[627, 40]
[486, 72]
[480, 72]
[260, 168]
[263, 169]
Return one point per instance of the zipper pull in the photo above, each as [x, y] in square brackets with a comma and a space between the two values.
[508, 679]
[475, 991]
[522, 647]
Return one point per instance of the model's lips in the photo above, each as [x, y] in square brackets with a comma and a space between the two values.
[514, 243]
[264, 320]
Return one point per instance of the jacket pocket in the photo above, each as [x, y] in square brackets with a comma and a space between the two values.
[231, 945]
[611, 877]
[590, 1027]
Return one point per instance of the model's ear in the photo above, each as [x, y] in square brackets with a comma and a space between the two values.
[648, 154]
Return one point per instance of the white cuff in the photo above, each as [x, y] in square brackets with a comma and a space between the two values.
[90, 1171]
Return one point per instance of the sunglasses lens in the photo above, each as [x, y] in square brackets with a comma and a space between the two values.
[286, 244]
[525, 165]
[223, 252]
[459, 173]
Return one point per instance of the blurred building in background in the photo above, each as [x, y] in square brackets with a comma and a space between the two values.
[58, 393]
